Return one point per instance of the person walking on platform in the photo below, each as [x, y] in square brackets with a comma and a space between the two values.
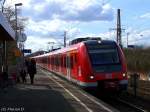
[23, 75]
[31, 67]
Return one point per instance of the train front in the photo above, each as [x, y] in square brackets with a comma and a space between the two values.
[108, 64]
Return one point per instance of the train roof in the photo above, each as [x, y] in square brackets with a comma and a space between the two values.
[78, 40]
[61, 51]
[108, 42]
[76, 46]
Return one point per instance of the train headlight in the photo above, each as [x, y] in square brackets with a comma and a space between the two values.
[99, 41]
[124, 75]
[91, 77]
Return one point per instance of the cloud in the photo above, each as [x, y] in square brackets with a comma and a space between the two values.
[137, 37]
[46, 10]
[145, 16]
[44, 27]
[37, 43]
[75, 10]
[93, 12]
[48, 19]
[72, 33]
[34, 43]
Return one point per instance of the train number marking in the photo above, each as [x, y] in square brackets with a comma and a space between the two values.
[108, 76]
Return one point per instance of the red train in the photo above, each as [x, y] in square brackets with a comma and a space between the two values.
[89, 63]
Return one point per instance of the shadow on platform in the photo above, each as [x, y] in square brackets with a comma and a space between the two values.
[33, 98]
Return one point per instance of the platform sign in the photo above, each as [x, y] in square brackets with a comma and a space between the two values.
[26, 50]
[17, 52]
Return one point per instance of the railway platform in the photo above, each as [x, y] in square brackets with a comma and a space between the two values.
[49, 94]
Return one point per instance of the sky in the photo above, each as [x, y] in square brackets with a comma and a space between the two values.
[49, 19]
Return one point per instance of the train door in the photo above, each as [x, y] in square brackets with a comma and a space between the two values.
[60, 60]
[47, 61]
[68, 66]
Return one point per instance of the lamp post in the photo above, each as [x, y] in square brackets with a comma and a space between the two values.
[18, 4]
[65, 34]
[51, 46]
[128, 38]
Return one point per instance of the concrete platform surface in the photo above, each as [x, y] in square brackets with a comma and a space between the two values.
[48, 94]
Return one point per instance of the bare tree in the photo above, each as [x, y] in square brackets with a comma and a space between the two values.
[9, 13]
[2, 4]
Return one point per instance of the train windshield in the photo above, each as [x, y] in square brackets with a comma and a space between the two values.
[104, 58]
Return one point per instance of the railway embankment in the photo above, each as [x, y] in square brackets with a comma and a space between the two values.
[138, 62]
[142, 89]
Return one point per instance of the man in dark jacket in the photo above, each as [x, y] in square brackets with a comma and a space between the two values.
[31, 67]
[23, 75]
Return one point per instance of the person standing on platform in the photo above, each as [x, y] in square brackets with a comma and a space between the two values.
[31, 67]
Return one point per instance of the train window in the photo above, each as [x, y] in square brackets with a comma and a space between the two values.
[64, 61]
[61, 61]
[58, 60]
[104, 58]
[55, 60]
[45, 60]
[52, 60]
[67, 63]
[75, 59]
[49, 60]
[103, 54]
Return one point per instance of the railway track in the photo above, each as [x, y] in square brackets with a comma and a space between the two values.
[119, 103]
[123, 103]
[137, 109]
